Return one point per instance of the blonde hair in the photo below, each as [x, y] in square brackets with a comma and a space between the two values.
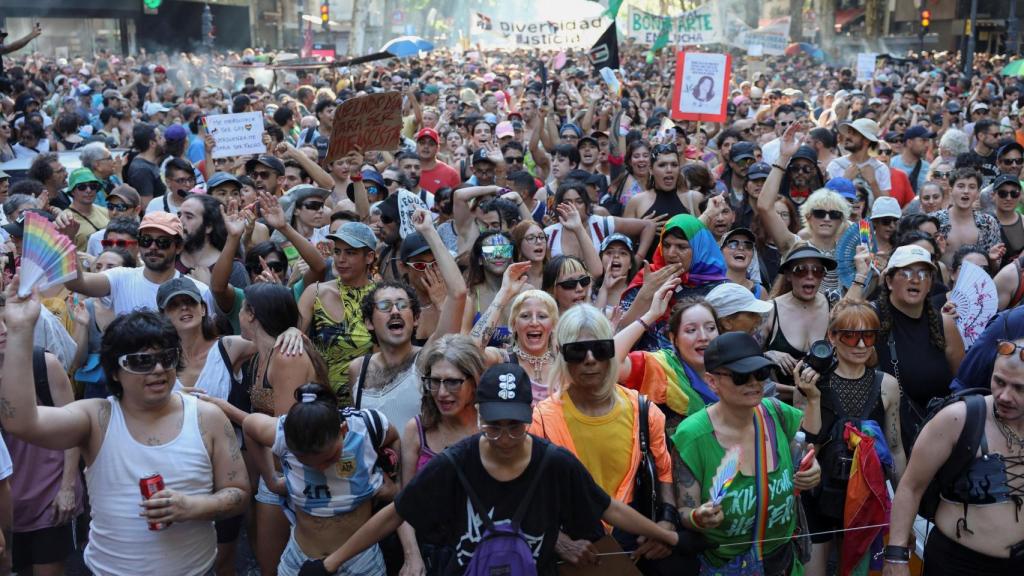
[519, 301]
[458, 350]
[579, 318]
[824, 199]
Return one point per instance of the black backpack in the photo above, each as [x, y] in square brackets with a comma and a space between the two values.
[836, 458]
[963, 452]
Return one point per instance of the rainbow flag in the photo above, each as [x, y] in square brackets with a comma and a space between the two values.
[668, 381]
[48, 257]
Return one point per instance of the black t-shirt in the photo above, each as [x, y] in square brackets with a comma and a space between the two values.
[144, 176]
[566, 499]
[986, 165]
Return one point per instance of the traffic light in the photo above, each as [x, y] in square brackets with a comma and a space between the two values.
[325, 14]
[926, 20]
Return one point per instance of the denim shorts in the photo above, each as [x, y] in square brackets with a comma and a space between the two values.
[370, 562]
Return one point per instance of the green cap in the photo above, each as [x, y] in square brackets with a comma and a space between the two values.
[79, 176]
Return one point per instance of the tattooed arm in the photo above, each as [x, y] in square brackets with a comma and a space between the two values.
[513, 282]
[891, 402]
[230, 479]
[688, 496]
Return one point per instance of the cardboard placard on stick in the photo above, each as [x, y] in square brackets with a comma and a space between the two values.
[365, 123]
[701, 86]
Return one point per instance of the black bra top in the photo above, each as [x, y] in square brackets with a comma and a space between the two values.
[987, 481]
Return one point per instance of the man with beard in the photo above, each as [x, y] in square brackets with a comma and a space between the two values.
[434, 174]
[857, 139]
[911, 159]
[130, 289]
[824, 143]
[802, 176]
[387, 380]
[144, 172]
[409, 164]
[784, 116]
[267, 173]
[390, 240]
[181, 179]
[741, 156]
[801, 308]
[202, 223]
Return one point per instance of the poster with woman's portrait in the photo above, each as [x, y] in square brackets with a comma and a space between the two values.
[701, 86]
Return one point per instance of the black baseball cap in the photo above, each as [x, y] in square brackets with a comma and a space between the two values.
[17, 228]
[1005, 179]
[413, 245]
[1011, 145]
[182, 285]
[267, 160]
[480, 156]
[735, 351]
[504, 393]
[808, 251]
[758, 171]
[741, 150]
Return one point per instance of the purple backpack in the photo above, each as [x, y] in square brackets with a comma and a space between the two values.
[503, 550]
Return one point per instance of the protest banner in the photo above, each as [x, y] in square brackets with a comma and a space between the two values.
[700, 26]
[580, 32]
[236, 134]
[365, 123]
[768, 40]
[701, 86]
[866, 66]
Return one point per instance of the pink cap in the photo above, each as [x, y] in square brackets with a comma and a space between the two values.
[504, 129]
[162, 221]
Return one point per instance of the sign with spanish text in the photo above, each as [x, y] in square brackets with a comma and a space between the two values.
[236, 134]
[700, 26]
[579, 32]
[701, 86]
[366, 123]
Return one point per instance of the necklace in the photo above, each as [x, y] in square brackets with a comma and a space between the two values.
[1013, 440]
[537, 363]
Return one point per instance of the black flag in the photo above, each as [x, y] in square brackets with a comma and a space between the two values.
[605, 52]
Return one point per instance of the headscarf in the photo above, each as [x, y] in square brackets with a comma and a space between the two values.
[707, 264]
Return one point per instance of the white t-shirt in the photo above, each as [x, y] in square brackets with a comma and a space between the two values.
[837, 167]
[94, 246]
[130, 290]
[600, 227]
[162, 204]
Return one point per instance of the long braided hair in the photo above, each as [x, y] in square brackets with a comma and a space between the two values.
[936, 336]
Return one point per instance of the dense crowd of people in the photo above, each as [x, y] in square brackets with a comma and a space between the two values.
[540, 331]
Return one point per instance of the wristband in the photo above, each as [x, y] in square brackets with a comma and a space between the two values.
[693, 519]
[896, 554]
[644, 324]
[858, 283]
[668, 513]
[357, 177]
[783, 168]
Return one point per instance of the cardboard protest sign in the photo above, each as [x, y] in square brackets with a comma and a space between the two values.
[365, 123]
[701, 86]
[408, 203]
[236, 134]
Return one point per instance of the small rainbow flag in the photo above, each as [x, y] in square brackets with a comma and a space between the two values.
[865, 233]
[48, 257]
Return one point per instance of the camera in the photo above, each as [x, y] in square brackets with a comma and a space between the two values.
[821, 358]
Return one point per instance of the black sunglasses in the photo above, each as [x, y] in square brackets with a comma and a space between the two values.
[115, 207]
[1008, 193]
[830, 214]
[761, 374]
[163, 242]
[276, 267]
[94, 186]
[313, 205]
[571, 284]
[389, 182]
[576, 352]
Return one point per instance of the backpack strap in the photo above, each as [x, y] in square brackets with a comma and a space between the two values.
[971, 438]
[525, 503]
[375, 427]
[874, 395]
[644, 425]
[470, 493]
[227, 359]
[362, 380]
[915, 173]
[42, 382]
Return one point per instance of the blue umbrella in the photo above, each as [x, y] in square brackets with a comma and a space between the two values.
[405, 46]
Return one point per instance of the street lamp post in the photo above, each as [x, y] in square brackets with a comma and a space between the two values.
[969, 33]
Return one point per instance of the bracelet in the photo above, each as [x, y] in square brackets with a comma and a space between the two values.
[783, 168]
[644, 324]
[858, 283]
[896, 554]
[693, 519]
[669, 513]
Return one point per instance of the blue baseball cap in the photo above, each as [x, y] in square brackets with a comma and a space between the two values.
[570, 126]
[616, 237]
[758, 171]
[844, 187]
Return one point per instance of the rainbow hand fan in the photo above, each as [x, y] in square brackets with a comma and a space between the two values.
[48, 257]
[725, 474]
[865, 233]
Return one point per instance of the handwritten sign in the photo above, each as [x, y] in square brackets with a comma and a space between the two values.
[236, 134]
[408, 203]
[365, 123]
[975, 297]
[866, 66]
[701, 86]
[700, 26]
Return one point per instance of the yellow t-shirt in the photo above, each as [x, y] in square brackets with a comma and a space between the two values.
[88, 224]
[603, 443]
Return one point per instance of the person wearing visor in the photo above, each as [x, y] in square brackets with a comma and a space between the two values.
[499, 475]
[736, 370]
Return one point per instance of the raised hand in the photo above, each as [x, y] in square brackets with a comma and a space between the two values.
[569, 216]
[273, 214]
[515, 277]
[422, 221]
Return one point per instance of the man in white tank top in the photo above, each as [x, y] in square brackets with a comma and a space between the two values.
[143, 428]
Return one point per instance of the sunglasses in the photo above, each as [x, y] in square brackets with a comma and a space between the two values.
[513, 431]
[739, 245]
[801, 270]
[738, 379]
[887, 221]
[276, 267]
[513, 159]
[94, 186]
[826, 214]
[453, 385]
[163, 242]
[261, 175]
[116, 207]
[385, 219]
[120, 243]
[571, 284]
[1007, 348]
[576, 352]
[937, 175]
[422, 266]
[390, 182]
[146, 362]
[885, 152]
[1013, 161]
[316, 206]
[1008, 193]
[497, 252]
[387, 305]
[664, 149]
[744, 162]
[854, 337]
[921, 274]
[802, 169]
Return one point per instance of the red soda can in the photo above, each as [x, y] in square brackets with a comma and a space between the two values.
[149, 485]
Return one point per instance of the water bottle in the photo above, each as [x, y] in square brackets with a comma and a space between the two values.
[798, 448]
